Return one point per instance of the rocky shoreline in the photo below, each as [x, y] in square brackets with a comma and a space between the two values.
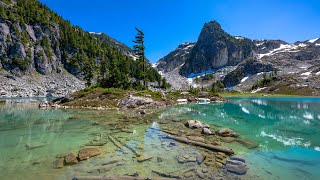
[218, 162]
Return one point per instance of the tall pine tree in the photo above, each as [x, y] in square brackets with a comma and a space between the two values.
[139, 49]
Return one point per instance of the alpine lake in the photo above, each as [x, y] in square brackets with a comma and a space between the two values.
[279, 139]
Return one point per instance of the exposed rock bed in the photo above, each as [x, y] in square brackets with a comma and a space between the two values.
[36, 85]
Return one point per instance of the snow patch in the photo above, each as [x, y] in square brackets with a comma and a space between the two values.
[306, 74]
[283, 48]
[96, 33]
[189, 46]
[259, 89]
[244, 79]
[313, 40]
[260, 44]
[239, 37]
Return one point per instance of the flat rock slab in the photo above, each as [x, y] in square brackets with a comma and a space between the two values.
[87, 153]
[35, 145]
[236, 167]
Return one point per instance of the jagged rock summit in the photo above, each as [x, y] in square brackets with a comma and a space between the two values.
[215, 49]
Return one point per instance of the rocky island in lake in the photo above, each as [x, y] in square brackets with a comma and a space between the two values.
[80, 105]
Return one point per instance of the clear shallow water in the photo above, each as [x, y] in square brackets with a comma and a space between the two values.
[286, 129]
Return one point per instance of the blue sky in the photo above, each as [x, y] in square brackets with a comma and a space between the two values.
[168, 23]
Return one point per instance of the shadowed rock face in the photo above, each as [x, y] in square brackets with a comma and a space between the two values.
[176, 58]
[247, 68]
[215, 49]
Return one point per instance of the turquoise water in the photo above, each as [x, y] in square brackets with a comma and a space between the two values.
[286, 129]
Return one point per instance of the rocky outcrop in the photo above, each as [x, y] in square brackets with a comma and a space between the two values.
[196, 124]
[138, 102]
[87, 153]
[246, 69]
[215, 49]
[176, 58]
[226, 132]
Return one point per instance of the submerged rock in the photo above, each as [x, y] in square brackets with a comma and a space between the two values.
[87, 153]
[226, 132]
[196, 138]
[250, 144]
[34, 145]
[70, 159]
[237, 167]
[228, 139]
[58, 163]
[196, 124]
[237, 158]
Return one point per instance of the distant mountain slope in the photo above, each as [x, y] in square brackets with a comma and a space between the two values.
[241, 63]
[37, 42]
[175, 58]
[114, 43]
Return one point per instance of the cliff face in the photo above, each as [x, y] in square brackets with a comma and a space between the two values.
[215, 49]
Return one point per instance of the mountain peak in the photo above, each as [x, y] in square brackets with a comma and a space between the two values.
[213, 24]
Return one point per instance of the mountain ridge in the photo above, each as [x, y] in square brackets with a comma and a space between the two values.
[288, 59]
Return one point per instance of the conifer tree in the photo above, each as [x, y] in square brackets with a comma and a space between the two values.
[139, 49]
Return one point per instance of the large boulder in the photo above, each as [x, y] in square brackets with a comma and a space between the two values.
[226, 132]
[70, 159]
[196, 124]
[134, 102]
[203, 94]
[207, 131]
[87, 153]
